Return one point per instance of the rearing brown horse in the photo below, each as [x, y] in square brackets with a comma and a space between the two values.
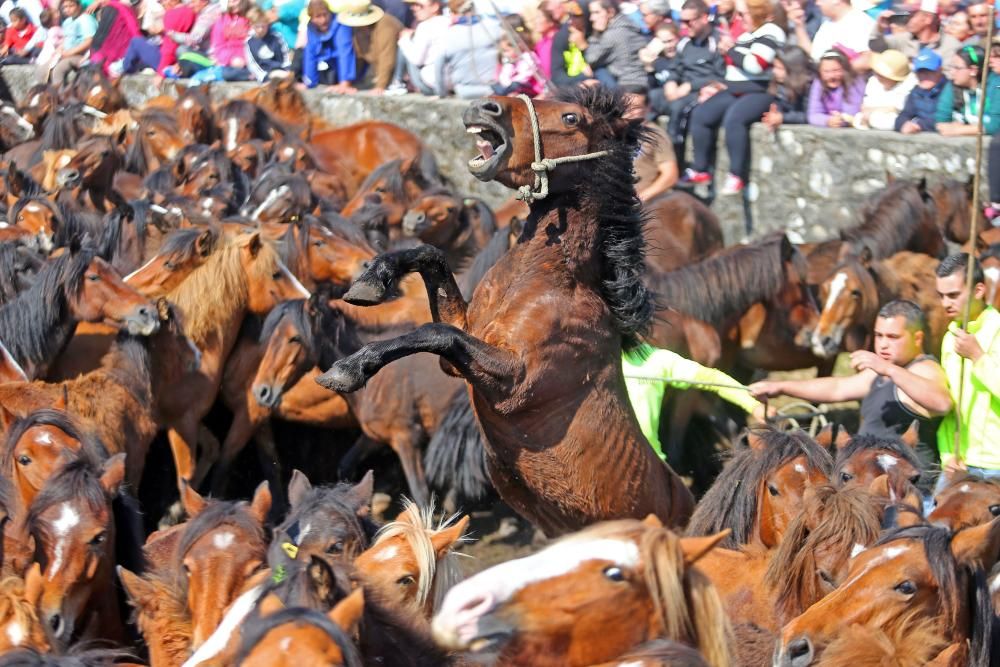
[540, 343]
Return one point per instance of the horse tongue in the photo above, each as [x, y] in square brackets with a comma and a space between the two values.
[485, 148]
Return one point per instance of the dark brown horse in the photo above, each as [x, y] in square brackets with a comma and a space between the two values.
[540, 344]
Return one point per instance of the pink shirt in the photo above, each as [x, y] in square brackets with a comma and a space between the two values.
[228, 38]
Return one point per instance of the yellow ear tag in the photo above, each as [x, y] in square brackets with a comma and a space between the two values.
[290, 549]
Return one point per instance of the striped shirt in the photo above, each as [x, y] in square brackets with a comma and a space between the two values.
[751, 57]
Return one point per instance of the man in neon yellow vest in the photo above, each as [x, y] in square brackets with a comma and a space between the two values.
[979, 376]
[648, 372]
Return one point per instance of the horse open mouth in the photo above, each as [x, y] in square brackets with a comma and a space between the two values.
[492, 149]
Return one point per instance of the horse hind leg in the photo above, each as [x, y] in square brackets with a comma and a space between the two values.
[406, 449]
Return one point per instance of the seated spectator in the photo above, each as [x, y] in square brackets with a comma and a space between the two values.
[804, 20]
[992, 210]
[397, 9]
[17, 41]
[654, 12]
[748, 73]
[655, 165]
[328, 56]
[659, 59]
[143, 52]
[923, 30]
[569, 66]
[467, 67]
[375, 37]
[846, 29]
[228, 40]
[612, 51]
[958, 106]
[267, 54]
[836, 94]
[979, 21]
[728, 22]
[957, 25]
[886, 91]
[284, 16]
[920, 111]
[786, 104]
[77, 34]
[32, 8]
[546, 27]
[207, 13]
[419, 49]
[517, 72]
[116, 27]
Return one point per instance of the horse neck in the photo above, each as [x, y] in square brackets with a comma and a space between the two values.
[133, 373]
[565, 229]
[52, 324]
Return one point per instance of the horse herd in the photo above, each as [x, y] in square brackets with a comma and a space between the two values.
[158, 262]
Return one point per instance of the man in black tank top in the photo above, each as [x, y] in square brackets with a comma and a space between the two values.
[896, 384]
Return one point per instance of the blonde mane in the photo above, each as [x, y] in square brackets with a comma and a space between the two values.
[15, 608]
[219, 288]
[912, 641]
[416, 525]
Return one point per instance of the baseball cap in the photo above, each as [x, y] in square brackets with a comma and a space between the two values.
[927, 60]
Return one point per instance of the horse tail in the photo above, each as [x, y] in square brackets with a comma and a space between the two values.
[456, 455]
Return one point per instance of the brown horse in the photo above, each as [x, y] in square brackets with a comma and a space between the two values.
[358, 149]
[855, 290]
[183, 251]
[20, 626]
[76, 286]
[865, 457]
[761, 488]
[10, 370]
[588, 598]
[541, 341]
[395, 185]
[769, 588]
[87, 180]
[39, 217]
[459, 226]
[73, 526]
[681, 231]
[412, 562]
[161, 615]
[966, 501]
[911, 574]
[157, 140]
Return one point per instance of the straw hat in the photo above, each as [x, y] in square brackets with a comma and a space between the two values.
[359, 14]
[891, 64]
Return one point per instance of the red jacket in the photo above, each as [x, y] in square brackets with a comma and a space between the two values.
[15, 41]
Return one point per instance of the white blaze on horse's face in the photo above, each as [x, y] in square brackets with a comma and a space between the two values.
[456, 623]
[232, 125]
[837, 286]
[272, 197]
[15, 633]
[187, 104]
[23, 124]
[68, 519]
[223, 540]
[299, 287]
[43, 438]
[886, 461]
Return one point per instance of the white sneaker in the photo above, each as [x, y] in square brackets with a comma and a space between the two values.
[396, 88]
[115, 69]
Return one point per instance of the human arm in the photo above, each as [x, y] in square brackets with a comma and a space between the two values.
[817, 114]
[343, 47]
[923, 386]
[682, 373]
[907, 116]
[991, 120]
[310, 63]
[818, 390]
[598, 52]
[985, 362]
[956, 130]
[666, 178]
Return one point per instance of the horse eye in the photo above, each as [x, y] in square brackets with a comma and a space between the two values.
[20, 218]
[336, 548]
[24, 460]
[170, 266]
[276, 275]
[905, 587]
[187, 569]
[995, 510]
[825, 576]
[93, 277]
[846, 477]
[99, 539]
[380, 189]
[406, 580]
[773, 490]
[856, 294]
[570, 119]
[318, 243]
[295, 339]
[614, 573]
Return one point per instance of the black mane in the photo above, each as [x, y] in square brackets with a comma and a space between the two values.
[609, 182]
[889, 220]
[80, 479]
[731, 502]
[257, 627]
[15, 259]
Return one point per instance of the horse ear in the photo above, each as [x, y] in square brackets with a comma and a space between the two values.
[787, 249]
[138, 589]
[205, 243]
[191, 500]
[865, 256]
[270, 604]
[755, 442]
[322, 577]
[652, 521]
[163, 309]
[979, 545]
[360, 495]
[970, 187]
[113, 473]
[347, 614]
[881, 488]
[694, 548]
[63, 401]
[261, 503]
[254, 244]
[890, 178]
[122, 136]
[180, 89]
[298, 487]
[445, 538]
[34, 584]
[911, 437]
[7, 419]
[833, 435]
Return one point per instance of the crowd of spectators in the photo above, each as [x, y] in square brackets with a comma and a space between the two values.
[904, 65]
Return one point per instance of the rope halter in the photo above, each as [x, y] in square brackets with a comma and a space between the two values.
[542, 165]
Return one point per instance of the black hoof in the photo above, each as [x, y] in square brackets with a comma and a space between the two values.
[365, 294]
[340, 379]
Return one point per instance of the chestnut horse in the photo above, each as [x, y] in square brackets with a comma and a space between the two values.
[589, 598]
[76, 286]
[865, 457]
[459, 226]
[296, 636]
[967, 500]
[760, 489]
[911, 574]
[859, 286]
[541, 342]
[20, 626]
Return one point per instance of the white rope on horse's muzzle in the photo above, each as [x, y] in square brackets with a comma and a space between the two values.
[543, 165]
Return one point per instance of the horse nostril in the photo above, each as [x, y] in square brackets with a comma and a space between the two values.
[263, 394]
[419, 218]
[491, 108]
[800, 651]
[55, 622]
[365, 264]
[146, 313]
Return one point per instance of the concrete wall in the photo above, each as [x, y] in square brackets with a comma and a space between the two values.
[808, 181]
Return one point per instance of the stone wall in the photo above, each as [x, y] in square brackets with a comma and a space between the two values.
[808, 181]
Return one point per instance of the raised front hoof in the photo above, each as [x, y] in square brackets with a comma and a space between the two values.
[365, 294]
[341, 379]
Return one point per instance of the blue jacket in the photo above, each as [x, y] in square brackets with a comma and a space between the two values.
[921, 107]
[334, 47]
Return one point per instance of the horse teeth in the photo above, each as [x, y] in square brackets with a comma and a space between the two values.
[474, 130]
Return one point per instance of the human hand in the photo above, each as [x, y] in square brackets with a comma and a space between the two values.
[725, 43]
[910, 127]
[837, 120]
[760, 415]
[406, 33]
[795, 12]
[772, 117]
[967, 346]
[883, 20]
[953, 465]
[765, 389]
[862, 360]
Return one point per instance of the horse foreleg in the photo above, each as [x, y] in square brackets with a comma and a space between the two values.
[405, 446]
[182, 436]
[267, 455]
[488, 369]
[240, 431]
[380, 278]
